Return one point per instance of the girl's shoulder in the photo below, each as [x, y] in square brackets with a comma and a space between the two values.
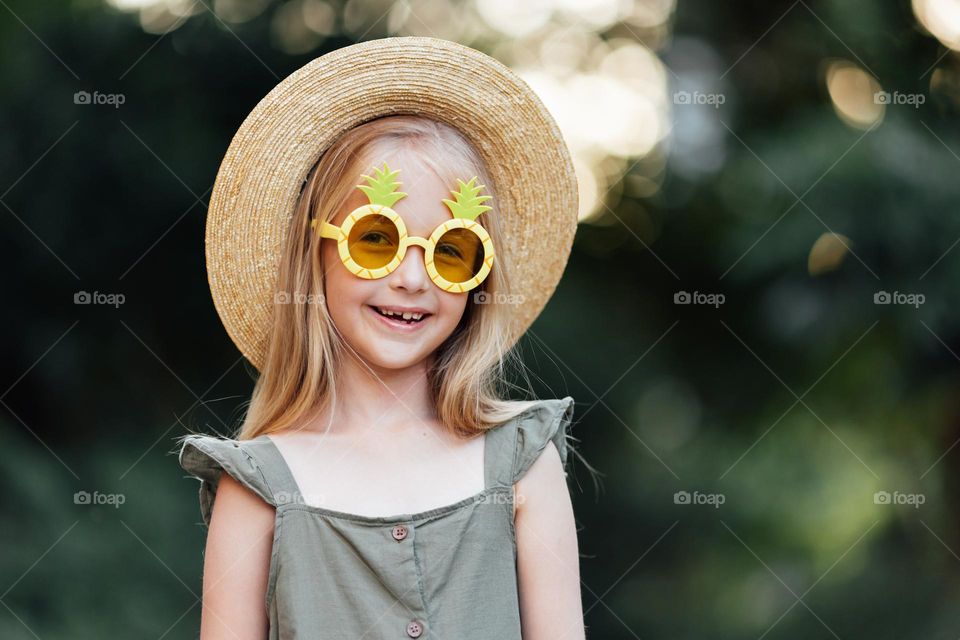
[520, 440]
[249, 462]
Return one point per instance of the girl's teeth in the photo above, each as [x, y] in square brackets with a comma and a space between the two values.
[406, 315]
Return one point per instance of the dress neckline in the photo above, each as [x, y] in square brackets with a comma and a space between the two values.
[480, 496]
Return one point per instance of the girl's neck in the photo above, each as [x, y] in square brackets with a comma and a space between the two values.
[378, 398]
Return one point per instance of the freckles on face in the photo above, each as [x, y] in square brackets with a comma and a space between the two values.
[358, 306]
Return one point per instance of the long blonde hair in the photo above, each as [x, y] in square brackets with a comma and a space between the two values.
[298, 376]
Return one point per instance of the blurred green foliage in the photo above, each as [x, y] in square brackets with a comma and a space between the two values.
[795, 400]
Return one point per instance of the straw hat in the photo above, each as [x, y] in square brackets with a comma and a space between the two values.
[259, 181]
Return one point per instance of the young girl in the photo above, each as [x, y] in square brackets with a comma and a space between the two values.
[379, 487]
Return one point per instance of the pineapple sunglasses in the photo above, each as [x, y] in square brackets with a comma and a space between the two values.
[373, 239]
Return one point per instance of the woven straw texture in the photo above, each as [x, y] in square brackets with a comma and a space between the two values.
[259, 180]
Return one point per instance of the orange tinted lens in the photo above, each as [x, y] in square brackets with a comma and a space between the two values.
[373, 241]
[458, 255]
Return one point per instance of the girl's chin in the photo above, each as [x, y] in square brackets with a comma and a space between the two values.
[383, 356]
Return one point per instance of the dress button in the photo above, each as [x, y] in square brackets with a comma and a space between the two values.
[399, 533]
[414, 629]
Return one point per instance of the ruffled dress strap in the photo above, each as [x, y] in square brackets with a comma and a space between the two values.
[256, 464]
[514, 446]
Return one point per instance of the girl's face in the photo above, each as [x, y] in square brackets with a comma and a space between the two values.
[356, 304]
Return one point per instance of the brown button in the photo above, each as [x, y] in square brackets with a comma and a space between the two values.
[399, 533]
[414, 629]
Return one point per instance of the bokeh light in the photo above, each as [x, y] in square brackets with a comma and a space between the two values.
[941, 18]
[854, 94]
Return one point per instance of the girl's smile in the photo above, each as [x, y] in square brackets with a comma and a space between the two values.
[404, 319]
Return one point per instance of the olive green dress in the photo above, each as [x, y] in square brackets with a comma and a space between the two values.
[448, 573]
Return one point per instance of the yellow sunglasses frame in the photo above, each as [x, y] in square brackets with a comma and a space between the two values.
[342, 235]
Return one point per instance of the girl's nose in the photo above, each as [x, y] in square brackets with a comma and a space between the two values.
[412, 274]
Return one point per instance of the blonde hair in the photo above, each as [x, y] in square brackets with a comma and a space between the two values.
[298, 376]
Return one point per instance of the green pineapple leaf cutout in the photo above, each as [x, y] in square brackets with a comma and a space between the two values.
[467, 204]
[382, 187]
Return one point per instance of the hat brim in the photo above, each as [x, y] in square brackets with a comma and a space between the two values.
[259, 180]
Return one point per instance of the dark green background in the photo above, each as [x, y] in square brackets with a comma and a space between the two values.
[668, 397]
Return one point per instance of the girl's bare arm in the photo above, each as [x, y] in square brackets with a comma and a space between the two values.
[548, 565]
[236, 565]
